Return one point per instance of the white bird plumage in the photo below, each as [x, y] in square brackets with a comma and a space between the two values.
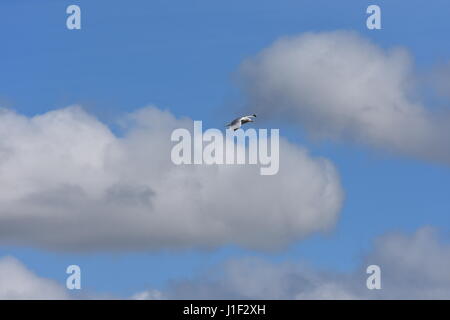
[238, 122]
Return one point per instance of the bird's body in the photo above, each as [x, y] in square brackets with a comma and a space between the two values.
[238, 122]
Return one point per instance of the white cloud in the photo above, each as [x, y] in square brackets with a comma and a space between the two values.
[69, 183]
[17, 282]
[339, 85]
[412, 266]
[148, 295]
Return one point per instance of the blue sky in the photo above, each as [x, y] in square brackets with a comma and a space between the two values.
[183, 56]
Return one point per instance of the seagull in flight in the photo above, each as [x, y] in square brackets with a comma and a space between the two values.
[238, 122]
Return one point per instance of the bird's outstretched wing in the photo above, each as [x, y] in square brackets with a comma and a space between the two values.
[234, 122]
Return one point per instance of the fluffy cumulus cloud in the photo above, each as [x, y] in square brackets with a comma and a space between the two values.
[339, 85]
[412, 266]
[69, 183]
[17, 282]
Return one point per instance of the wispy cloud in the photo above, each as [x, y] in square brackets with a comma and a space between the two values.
[413, 266]
[18, 282]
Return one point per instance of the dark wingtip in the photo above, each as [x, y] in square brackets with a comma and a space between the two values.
[254, 115]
